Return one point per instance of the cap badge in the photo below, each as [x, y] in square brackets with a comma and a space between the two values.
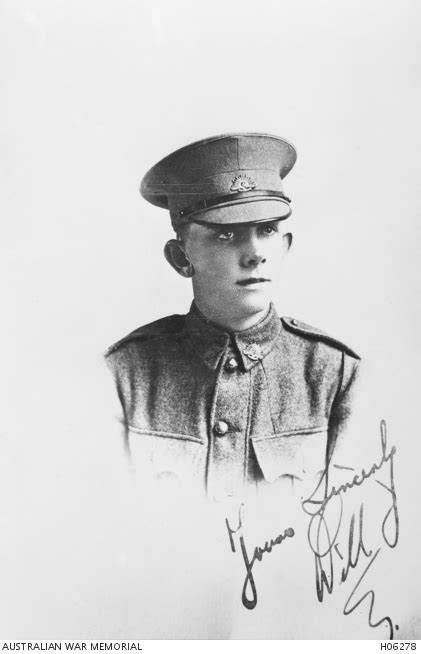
[253, 351]
[242, 183]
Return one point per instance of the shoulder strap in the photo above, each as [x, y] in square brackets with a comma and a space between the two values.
[302, 329]
[160, 328]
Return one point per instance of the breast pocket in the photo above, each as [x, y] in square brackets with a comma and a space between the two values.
[299, 454]
[165, 456]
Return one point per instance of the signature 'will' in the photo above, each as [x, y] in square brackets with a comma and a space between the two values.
[324, 532]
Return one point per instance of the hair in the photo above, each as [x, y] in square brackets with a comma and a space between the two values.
[182, 231]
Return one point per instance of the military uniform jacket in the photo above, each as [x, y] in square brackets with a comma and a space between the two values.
[224, 411]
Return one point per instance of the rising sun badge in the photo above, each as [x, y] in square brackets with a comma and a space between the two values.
[242, 183]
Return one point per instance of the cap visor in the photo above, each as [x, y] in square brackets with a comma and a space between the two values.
[252, 211]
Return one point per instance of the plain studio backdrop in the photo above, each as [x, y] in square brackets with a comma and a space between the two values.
[93, 94]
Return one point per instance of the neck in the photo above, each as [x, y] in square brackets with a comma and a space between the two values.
[232, 322]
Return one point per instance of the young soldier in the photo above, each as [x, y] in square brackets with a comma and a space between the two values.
[230, 396]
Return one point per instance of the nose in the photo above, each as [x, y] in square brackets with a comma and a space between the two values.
[252, 254]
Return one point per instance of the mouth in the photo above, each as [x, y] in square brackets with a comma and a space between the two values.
[252, 280]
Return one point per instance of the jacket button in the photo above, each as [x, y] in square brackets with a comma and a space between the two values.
[220, 428]
[231, 364]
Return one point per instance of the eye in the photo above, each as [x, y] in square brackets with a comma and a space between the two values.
[269, 229]
[226, 235]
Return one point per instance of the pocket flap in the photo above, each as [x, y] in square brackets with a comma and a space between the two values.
[161, 453]
[295, 453]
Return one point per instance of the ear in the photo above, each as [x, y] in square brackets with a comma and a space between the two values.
[176, 257]
[286, 242]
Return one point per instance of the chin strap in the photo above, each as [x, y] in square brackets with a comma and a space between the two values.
[228, 199]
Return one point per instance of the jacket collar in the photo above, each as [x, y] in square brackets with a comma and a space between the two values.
[249, 347]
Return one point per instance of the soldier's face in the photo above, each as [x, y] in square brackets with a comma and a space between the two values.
[236, 267]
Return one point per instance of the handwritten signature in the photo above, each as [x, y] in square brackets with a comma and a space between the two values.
[323, 532]
[249, 582]
[325, 536]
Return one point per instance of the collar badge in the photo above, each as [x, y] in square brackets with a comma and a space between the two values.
[242, 183]
[253, 351]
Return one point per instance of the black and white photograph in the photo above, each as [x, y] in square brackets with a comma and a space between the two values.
[210, 285]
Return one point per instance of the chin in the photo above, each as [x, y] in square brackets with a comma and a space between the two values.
[253, 304]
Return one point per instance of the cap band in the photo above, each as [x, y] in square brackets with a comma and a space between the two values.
[224, 199]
